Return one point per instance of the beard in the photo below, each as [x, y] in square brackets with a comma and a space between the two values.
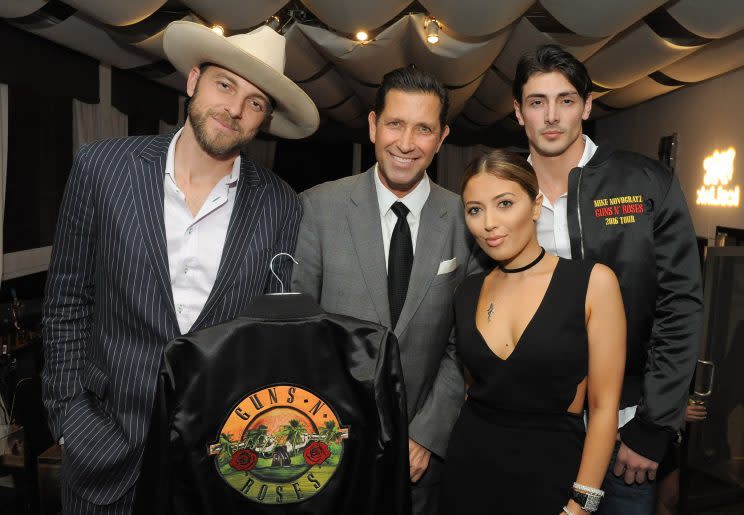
[218, 145]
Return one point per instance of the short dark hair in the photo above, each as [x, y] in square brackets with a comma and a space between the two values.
[551, 58]
[505, 165]
[410, 79]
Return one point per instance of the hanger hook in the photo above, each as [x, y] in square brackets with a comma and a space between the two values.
[271, 266]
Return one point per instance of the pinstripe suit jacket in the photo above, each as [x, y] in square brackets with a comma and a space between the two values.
[109, 309]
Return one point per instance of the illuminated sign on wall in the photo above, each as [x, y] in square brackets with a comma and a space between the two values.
[719, 172]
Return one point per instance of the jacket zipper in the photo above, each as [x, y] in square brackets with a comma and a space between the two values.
[578, 210]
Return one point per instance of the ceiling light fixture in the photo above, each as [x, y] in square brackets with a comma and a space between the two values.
[218, 29]
[431, 25]
[273, 23]
[362, 36]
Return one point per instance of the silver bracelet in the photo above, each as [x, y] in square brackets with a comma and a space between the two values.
[588, 489]
[567, 511]
[587, 497]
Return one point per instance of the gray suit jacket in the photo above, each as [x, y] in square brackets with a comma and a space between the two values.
[342, 265]
[109, 312]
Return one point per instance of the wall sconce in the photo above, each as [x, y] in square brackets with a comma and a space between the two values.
[431, 26]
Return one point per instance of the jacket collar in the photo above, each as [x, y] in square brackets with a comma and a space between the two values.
[282, 306]
[147, 169]
[603, 153]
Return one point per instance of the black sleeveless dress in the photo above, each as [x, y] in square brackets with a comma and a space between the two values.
[515, 450]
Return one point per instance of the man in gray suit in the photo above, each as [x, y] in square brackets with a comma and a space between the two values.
[158, 236]
[390, 246]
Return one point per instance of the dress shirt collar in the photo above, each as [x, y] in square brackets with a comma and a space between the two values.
[414, 200]
[170, 162]
[589, 149]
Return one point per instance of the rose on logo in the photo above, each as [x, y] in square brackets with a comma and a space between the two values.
[316, 453]
[244, 460]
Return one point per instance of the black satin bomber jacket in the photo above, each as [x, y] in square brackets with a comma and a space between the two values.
[628, 212]
[284, 410]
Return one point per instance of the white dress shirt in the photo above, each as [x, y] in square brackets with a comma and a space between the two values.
[552, 226]
[195, 243]
[414, 201]
[552, 234]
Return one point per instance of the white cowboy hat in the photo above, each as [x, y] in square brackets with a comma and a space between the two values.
[257, 56]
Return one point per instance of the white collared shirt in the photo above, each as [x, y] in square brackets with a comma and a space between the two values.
[195, 243]
[552, 226]
[414, 201]
[552, 234]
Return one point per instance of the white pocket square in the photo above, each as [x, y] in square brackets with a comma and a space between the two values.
[446, 267]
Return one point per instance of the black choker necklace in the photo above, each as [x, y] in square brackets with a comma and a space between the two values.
[525, 267]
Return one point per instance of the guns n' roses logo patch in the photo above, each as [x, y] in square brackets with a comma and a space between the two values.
[279, 445]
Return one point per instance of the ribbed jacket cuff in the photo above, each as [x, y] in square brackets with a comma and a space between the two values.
[646, 439]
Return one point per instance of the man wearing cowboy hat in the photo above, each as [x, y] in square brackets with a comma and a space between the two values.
[159, 236]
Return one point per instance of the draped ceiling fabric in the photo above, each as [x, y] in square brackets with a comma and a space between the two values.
[599, 18]
[351, 17]
[80, 34]
[233, 14]
[610, 68]
[20, 8]
[457, 15]
[635, 50]
[716, 58]
[711, 19]
[118, 13]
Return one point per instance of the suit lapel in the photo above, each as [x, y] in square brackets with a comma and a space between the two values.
[432, 232]
[147, 172]
[366, 232]
[245, 215]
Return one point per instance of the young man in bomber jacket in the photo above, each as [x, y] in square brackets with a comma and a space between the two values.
[628, 212]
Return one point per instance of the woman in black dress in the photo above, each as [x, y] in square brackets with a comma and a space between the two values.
[541, 338]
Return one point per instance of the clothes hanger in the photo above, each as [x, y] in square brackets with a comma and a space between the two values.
[271, 267]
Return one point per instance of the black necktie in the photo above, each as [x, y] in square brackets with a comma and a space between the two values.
[400, 261]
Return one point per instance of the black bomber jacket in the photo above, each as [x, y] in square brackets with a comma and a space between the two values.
[284, 410]
[628, 212]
